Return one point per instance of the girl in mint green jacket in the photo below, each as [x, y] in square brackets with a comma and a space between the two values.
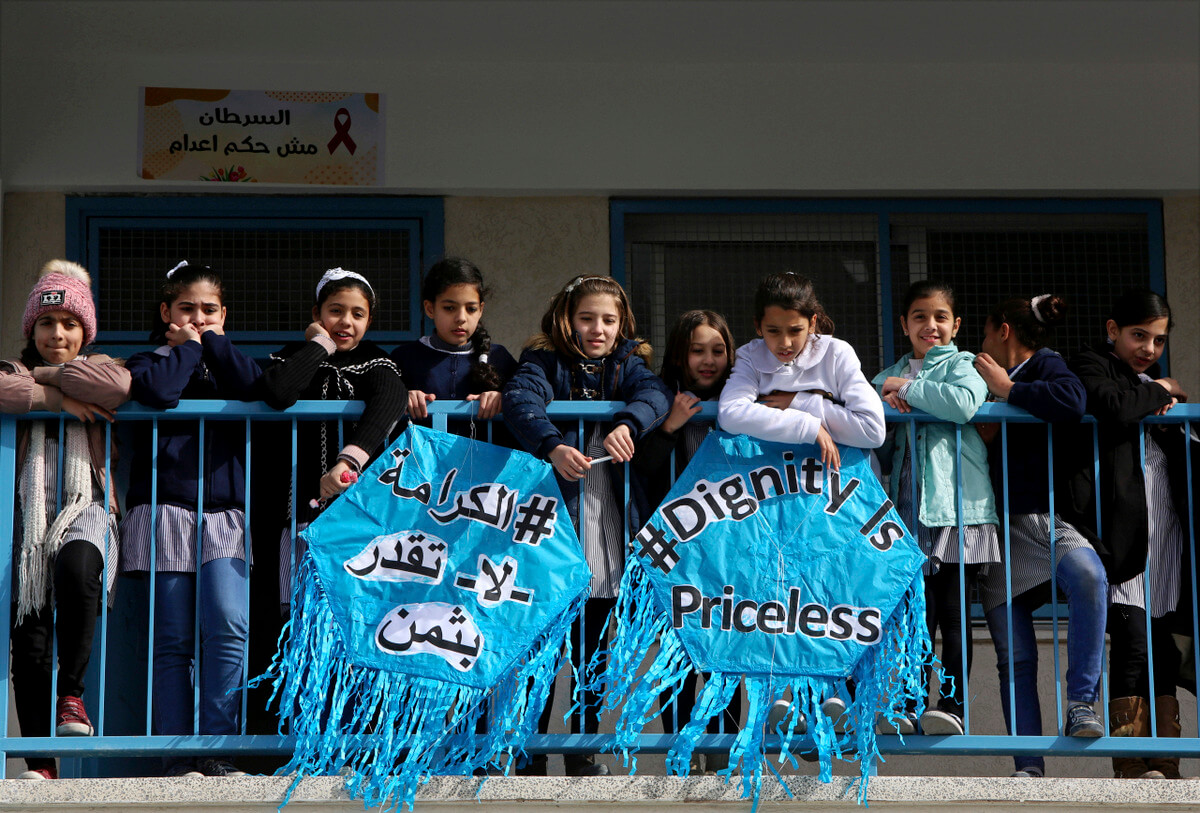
[938, 378]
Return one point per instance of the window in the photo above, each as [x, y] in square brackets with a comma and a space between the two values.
[270, 251]
[678, 255]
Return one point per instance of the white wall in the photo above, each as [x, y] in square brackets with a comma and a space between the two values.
[529, 98]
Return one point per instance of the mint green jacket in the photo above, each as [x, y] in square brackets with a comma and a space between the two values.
[946, 387]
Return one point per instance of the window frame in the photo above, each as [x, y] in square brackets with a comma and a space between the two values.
[422, 217]
[883, 209]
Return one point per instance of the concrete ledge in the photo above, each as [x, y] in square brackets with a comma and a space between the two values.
[700, 794]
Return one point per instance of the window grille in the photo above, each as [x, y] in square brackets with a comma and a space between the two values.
[681, 262]
[270, 251]
[674, 256]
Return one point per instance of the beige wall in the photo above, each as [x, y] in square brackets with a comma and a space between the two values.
[1181, 236]
[34, 232]
[527, 249]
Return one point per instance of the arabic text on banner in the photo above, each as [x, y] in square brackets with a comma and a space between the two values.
[269, 136]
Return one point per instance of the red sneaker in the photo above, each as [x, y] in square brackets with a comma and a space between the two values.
[40, 773]
[72, 719]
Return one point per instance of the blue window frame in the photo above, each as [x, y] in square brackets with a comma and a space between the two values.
[678, 254]
[270, 251]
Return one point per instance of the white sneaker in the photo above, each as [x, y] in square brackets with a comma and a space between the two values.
[906, 724]
[835, 709]
[779, 712]
[936, 721]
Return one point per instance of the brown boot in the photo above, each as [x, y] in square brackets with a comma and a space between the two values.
[1130, 717]
[1166, 715]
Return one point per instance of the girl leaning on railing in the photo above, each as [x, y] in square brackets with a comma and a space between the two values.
[61, 545]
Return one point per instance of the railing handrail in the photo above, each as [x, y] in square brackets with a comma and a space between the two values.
[191, 409]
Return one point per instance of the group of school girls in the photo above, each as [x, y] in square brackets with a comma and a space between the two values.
[795, 383]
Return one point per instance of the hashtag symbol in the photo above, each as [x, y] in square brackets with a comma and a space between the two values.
[659, 549]
[535, 519]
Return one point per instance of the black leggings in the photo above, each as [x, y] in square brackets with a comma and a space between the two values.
[585, 642]
[943, 610]
[686, 701]
[1129, 670]
[77, 590]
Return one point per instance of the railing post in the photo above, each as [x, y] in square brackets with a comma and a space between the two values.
[8, 504]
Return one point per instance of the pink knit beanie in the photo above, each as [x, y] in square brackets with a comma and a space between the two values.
[62, 286]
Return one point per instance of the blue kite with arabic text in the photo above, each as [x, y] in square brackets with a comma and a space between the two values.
[766, 568]
[447, 577]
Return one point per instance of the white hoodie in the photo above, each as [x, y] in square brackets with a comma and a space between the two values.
[827, 364]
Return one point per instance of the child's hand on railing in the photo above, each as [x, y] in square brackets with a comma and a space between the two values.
[890, 393]
[417, 401]
[683, 408]
[619, 444]
[88, 413]
[489, 403]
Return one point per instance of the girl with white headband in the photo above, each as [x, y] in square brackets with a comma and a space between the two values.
[1019, 368]
[333, 363]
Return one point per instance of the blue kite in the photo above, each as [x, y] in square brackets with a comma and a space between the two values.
[436, 595]
[764, 567]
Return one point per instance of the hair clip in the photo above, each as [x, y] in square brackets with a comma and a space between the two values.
[575, 282]
[1033, 305]
[483, 358]
[182, 264]
[334, 274]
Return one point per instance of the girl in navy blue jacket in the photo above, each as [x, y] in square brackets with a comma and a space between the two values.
[586, 352]
[195, 360]
[458, 361]
[1020, 369]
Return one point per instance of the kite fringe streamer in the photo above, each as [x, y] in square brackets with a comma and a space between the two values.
[392, 732]
[888, 679]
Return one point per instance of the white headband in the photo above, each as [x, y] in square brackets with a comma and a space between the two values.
[334, 274]
[1033, 305]
[182, 264]
[575, 282]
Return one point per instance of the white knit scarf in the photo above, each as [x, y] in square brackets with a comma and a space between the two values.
[39, 546]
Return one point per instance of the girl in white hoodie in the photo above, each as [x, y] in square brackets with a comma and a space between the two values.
[797, 383]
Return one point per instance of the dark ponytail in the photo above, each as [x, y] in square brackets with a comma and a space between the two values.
[1031, 323]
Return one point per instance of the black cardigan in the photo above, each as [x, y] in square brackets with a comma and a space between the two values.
[1119, 400]
[306, 370]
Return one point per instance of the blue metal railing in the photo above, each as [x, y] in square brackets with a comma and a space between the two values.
[122, 745]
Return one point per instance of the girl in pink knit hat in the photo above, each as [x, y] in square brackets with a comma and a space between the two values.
[66, 523]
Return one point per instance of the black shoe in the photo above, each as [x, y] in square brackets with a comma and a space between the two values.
[532, 765]
[584, 765]
[218, 766]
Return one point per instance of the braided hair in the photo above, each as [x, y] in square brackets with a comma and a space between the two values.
[451, 271]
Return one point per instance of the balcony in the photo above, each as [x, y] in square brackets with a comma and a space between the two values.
[918, 771]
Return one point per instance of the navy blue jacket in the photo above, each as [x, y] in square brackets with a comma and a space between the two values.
[1046, 388]
[544, 376]
[214, 368]
[431, 365]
